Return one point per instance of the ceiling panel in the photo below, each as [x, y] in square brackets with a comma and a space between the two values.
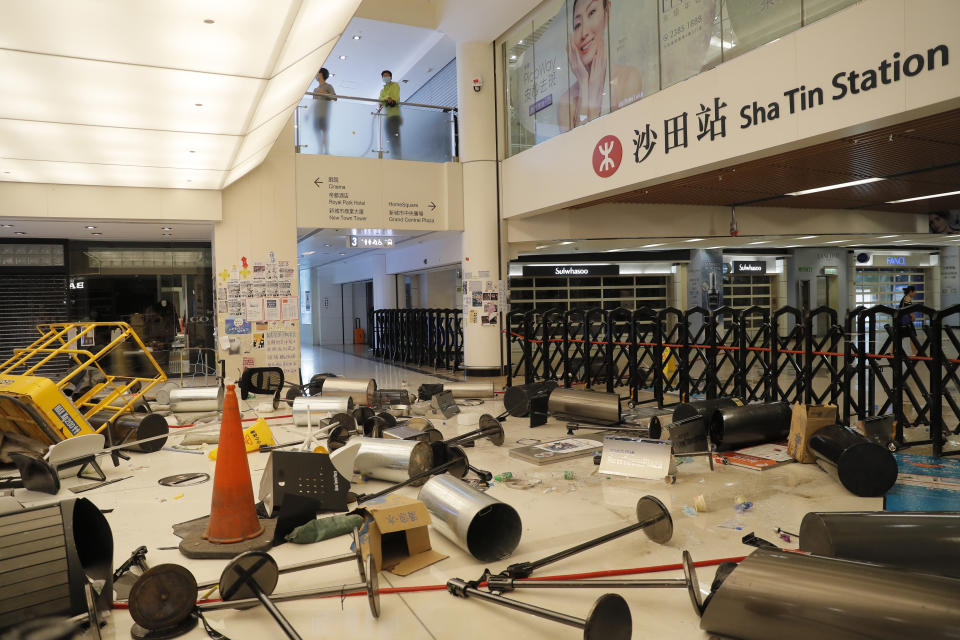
[108, 174]
[74, 229]
[108, 145]
[919, 157]
[319, 22]
[100, 93]
[170, 33]
[246, 166]
[154, 94]
[285, 90]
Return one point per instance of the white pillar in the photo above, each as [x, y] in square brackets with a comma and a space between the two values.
[384, 285]
[481, 219]
[949, 277]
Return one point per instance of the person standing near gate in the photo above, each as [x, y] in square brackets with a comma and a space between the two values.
[907, 330]
[390, 105]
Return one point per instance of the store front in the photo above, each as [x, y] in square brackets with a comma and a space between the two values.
[569, 286]
[753, 281]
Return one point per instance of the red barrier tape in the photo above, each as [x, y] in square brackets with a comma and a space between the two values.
[721, 347]
[569, 576]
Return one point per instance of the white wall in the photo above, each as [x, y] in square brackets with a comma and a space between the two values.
[259, 223]
[34, 200]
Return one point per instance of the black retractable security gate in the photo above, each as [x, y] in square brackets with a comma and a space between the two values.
[424, 337]
[868, 364]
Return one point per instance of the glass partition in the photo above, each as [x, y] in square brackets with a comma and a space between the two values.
[354, 127]
[574, 61]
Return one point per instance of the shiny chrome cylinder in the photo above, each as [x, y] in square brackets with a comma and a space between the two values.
[469, 389]
[362, 390]
[317, 406]
[920, 540]
[585, 405]
[392, 460]
[485, 527]
[791, 596]
[196, 399]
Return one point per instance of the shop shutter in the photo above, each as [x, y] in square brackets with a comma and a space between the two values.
[26, 300]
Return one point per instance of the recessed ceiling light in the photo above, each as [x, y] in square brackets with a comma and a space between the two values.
[694, 240]
[189, 180]
[835, 241]
[192, 151]
[513, 57]
[356, 37]
[343, 254]
[96, 233]
[5, 226]
[933, 195]
[326, 245]
[166, 234]
[309, 253]
[807, 237]
[19, 233]
[198, 104]
[760, 242]
[899, 241]
[792, 246]
[650, 246]
[519, 41]
[343, 57]
[166, 228]
[566, 242]
[208, 21]
[90, 226]
[7, 172]
[885, 237]
[830, 187]
[542, 246]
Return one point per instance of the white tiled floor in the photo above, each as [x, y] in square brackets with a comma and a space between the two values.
[556, 514]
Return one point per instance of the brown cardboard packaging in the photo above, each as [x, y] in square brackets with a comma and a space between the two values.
[395, 533]
[807, 419]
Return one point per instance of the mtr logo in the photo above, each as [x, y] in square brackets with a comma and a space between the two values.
[607, 155]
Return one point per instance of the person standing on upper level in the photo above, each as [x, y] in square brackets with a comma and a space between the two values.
[390, 105]
[321, 109]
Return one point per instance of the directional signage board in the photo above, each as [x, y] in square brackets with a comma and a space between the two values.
[366, 193]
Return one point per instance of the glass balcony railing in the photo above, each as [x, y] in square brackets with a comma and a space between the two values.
[356, 127]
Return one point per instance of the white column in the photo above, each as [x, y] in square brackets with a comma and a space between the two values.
[481, 219]
[384, 284]
[949, 277]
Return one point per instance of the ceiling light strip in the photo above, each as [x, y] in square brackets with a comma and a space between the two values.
[831, 187]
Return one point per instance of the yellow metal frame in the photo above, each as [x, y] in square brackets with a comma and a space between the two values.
[64, 339]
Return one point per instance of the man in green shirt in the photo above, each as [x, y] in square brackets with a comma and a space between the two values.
[390, 105]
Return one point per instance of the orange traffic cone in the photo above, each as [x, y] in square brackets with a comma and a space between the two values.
[233, 515]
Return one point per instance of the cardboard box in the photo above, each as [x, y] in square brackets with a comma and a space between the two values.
[395, 533]
[807, 419]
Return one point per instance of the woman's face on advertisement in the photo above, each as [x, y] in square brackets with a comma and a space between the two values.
[589, 18]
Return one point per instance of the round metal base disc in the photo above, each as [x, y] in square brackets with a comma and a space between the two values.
[253, 566]
[373, 587]
[461, 468]
[163, 597]
[650, 509]
[609, 619]
[139, 633]
[356, 547]
[488, 422]
[338, 437]
[361, 415]
[433, 435]
[693, 585]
